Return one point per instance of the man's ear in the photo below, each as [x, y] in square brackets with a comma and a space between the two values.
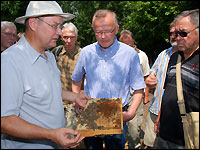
[33, 23]
[61, 37]
[117, 29]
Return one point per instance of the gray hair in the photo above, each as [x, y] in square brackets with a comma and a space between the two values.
[102, 13]
[126, 32]
[7, 24]
[193, 16]
[71, 27]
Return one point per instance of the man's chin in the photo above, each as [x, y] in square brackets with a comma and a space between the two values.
[173, 44]
[105, 46]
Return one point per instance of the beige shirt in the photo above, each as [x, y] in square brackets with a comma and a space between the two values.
[144, 62]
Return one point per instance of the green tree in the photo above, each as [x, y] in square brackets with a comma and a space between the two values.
[10, 10]
[148, 20]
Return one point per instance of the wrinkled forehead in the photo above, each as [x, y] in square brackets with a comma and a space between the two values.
[67, 32]
[172, 29]
[104, 19]
[184, 24]
[125, 35]
[9, 29]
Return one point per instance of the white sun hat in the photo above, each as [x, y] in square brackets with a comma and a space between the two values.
[41, 8]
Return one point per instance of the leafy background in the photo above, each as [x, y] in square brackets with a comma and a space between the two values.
[148, 20]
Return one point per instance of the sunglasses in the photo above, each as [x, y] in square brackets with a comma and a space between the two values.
[183, 33]
[172, 33]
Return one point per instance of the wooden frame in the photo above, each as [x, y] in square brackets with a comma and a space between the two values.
[100, 117]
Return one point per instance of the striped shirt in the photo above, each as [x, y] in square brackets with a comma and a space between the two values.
[159, 69]
[110, 73]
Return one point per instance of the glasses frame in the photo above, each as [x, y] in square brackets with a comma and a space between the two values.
[105, 32]
[67, 37]
[183, 33]
[172, 33]
[57, 28]
[10, 34]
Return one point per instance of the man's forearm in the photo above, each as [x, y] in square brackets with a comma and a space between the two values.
[137, 98]
[69, 96]
[76, 86]
[15, 126]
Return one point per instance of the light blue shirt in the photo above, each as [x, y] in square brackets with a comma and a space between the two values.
[110, 73]
[31, 89]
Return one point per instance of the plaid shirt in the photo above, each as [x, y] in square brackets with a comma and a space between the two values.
[66, 63]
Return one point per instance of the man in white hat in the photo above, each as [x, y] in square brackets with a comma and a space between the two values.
[32, 113]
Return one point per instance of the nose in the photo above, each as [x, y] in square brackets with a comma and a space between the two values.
[68, 39]
[103, 35]
[14, 36]
[177, 36]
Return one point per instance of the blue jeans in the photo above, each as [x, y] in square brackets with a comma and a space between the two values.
[116, 141]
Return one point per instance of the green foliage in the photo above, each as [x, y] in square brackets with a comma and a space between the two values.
[148, 20]
[10, 10]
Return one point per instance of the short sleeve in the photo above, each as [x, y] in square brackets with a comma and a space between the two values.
[11, 89]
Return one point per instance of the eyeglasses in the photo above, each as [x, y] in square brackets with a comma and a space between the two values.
[183, 33]
[172, 33]
[68, 37]
[10, 34]
[56, 27]
[105, 32]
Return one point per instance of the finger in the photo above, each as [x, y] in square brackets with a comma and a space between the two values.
[72, 147]
[86, 96]
[81, 138]
[78, 111]
[76, 136]
[82, 104]
[74, 104]
[71, 131]
[74, 141]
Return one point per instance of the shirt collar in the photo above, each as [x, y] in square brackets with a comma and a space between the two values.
[110, 51]
[31, 53]
[71, 54]
[169, 51]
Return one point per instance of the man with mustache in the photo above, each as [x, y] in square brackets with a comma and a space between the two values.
[171, 134]
[156, 81]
